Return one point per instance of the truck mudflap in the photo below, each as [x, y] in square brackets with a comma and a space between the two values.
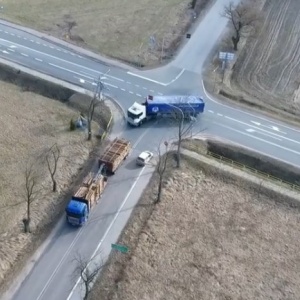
[73, 221]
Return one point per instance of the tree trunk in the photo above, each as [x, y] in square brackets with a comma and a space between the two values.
[89, 130]
[159, 191]
[194, 2]
[178, 154]
[26, 224]
[235, 41]
[54, 186]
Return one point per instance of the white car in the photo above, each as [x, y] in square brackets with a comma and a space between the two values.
[144, 158]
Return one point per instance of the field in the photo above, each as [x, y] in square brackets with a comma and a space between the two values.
[267, 69]
[30, 125]
[213, 236]
[116, 28]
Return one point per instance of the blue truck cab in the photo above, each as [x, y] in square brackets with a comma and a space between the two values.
[77, 211]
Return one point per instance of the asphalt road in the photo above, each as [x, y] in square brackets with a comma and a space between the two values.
[53, 276]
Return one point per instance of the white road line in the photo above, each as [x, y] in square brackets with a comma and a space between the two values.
[19, 36]
[71, 71]
[58, 49]
[63, 60]
[259, 139]
[210, 111]
[246, 113]
[6, 32]
[45, 45]
[220, 115]
[160, 94]
[24, 54]
[109, 228]
[272, 133]
[81, 80]
[38, 59]
[275, 128]
[38, 43]
[5, 52]
[32, 41]
[12, 46]
[155, 81]
[93, 83]
[130, 92]
[1, 30]
[137, 85]
[12, 50]
[265, 134]
[123, 90]
[24, 38]
[152, 91]
[139, 95]
[128, 82]
[12, 34]
[145, 88]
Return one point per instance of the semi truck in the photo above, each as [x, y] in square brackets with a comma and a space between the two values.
[86, 197]
[155, 106]
[114, 154]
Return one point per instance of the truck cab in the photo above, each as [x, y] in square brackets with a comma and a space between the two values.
[136, 114]
[77, 212]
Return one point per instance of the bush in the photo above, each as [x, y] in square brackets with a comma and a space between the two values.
[72, 125]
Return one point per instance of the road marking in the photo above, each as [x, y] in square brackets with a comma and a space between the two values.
[6, 32]
[12, 50]
[65, 69]
[244, 112]
[139, 95]
[94, 83]
[19, 36]
[5, 52]
[12, 46]
[259, 139]
[109, 228]
[137, 85]
[130, 92]
[81, 80]
[45, 45]
[155, 81]
[12, 34]
[262, 133]
[24, 54]
[272, 133]
[275, 128]
[210, 111]
[145, 88]
[220, 115]
[32, 41]
[160, 94]
[128, 82]
[58, 49]
[38, 59]
[123, 90]
[51, 47]
[38, 43]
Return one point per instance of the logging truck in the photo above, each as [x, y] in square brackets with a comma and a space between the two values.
[114, 154]
[86, 197]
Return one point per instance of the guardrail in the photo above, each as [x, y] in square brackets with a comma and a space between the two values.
[252, 170]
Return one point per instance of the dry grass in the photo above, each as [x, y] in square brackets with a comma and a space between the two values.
[120, 29]
[265, 74]
[30, 124]
[212, 237]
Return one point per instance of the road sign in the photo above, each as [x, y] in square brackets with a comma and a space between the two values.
[122, 249]
[226, 55]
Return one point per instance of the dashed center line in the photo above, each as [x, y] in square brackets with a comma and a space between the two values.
[38, 59]
[130, 92]
[24, 54]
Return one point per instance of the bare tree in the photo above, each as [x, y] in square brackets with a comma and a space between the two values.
[244, 19]
[88, 271]
[52, 158]
[161, 168]
[32, 190]
[184, 129]
[93, 104]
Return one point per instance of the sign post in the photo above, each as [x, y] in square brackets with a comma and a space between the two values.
[120, 248]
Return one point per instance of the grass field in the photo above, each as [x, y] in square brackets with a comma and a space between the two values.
[30, 124]
[267, 68]
[213, 236]
[116, 28]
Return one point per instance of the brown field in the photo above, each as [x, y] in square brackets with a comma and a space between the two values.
[267, 69]
[213, 236]
[30, 124]
[115, 28]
